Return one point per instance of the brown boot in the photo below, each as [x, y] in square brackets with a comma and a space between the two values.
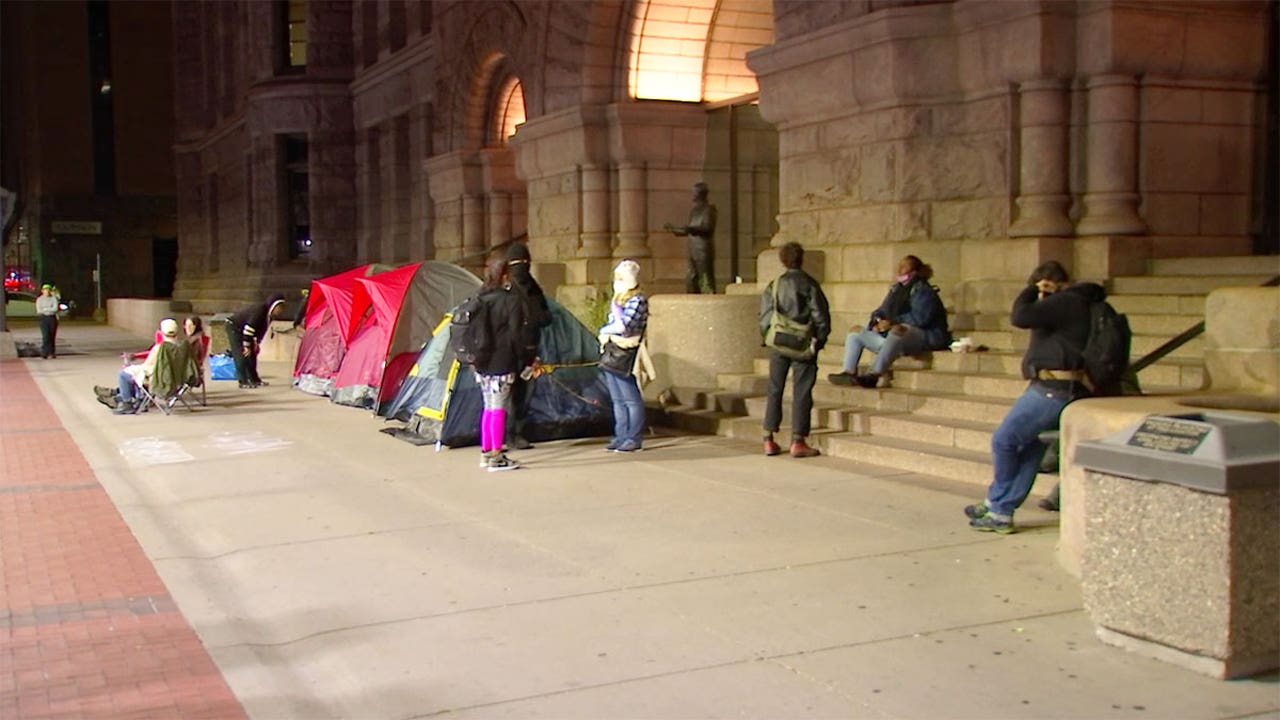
[801, 449]
[770, 447]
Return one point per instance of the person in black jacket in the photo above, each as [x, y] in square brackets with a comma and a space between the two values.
[245, 331]
[800, 298]
[503, 323]
[538, 316]
[1057, 314]
[910, 320]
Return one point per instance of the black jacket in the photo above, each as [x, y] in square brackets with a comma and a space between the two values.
[537, 312]
[1059, 325]
[800, 298]
[252, 321]
[504, 319]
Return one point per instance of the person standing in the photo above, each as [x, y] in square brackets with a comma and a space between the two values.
[909, 321]
[1057, 314]
[537, 317]
[620, 339]
[702, 250]
[47, 306]
[798, 296]
[245, 331]
[500, 328]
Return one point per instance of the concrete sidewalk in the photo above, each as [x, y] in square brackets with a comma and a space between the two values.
[332, 571]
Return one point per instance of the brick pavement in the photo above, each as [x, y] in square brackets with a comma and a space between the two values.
[88, 629]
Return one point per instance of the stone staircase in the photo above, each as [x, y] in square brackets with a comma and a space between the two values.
[937, 417]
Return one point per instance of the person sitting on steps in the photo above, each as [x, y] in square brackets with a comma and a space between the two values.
[909, 321]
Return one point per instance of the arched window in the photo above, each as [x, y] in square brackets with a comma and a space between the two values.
[508, 111]
[696, 50]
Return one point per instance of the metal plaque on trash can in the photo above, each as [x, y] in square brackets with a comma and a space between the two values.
[1212, 452]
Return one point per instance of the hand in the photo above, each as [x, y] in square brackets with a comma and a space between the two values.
[883, 325]
[244, 351]
[1046, 287]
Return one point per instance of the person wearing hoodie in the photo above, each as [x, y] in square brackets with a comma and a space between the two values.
[502, 322]
[1057, 314]
[245, 331]
[537, 317]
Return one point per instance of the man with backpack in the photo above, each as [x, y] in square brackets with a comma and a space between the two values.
[795, 321]
[1058, 315]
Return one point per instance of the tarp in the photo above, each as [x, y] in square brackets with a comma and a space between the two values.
[327, 328]
[440, 401]
[393, 313]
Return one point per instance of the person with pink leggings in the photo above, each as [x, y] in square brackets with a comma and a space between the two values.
[501, 320]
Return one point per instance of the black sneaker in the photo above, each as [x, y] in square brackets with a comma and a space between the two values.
[870, 380]
[975, 511]
[500, 462]
[126, 407]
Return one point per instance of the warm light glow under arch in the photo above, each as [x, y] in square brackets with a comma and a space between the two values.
[696, 50]
[508, 110]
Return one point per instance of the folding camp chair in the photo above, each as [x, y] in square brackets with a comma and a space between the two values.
[173, 380]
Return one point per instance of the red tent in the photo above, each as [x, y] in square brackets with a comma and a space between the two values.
[327, 329]
[394, 313]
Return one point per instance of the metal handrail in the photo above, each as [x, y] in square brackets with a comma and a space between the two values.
[1178, 341]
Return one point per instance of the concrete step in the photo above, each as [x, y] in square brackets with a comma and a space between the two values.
[932, 382]
[1164, 325]
[945, 432]
[971, 467]
[1191, 306]
[1184, 285]
[1227, 265]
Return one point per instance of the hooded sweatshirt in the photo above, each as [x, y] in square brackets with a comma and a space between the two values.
[1059, 325]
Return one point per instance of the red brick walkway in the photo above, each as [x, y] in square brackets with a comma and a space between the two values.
[87, 628]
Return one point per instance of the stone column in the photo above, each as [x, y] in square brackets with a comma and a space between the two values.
[473, 228]
[594, 236]
[633, 212]
[1111, 172]
[1042, 165]
[499, 217]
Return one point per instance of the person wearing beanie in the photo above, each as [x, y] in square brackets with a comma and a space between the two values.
[537, 316]
[245, 332]
[47, 309]
[620, 340]
[124, 401]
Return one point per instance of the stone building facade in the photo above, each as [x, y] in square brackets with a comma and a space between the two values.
[983, 136]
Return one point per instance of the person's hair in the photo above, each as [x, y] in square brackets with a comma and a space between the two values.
[495, 272]
[791, 255]
[701, 188]
[1051, 270]
[196, 322]
[923, 270]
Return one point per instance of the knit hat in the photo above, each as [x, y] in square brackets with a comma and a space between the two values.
[517, 252]
[628, 271]
[273, 301]
[169, 327]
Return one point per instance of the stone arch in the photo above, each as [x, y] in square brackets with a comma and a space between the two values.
[482, 55]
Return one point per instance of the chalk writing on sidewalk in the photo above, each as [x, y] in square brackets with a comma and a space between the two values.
[241, 443]
[153, 451]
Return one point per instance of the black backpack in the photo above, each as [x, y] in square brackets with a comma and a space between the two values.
[1106, 353]
[469, 332]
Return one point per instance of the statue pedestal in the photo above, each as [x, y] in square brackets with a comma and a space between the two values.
[693, 338]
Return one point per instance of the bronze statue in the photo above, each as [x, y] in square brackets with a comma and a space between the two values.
[702, 249]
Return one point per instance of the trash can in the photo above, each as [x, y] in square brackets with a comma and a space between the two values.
[1183, 555]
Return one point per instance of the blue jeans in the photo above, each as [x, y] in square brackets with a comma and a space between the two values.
[628, 407]
[1016, 449]
[128, 388]
[887, 348]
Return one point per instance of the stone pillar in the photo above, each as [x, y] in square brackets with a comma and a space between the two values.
[473, 246]
[594, 236]
[633, 212]
[1111, 172]
[499, 217]
[1042, 166]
